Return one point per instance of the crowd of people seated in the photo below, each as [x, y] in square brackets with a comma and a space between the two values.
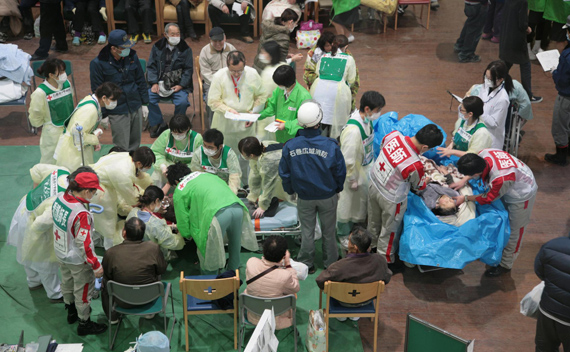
[320, 158]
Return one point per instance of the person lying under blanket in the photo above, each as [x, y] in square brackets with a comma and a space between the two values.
[439, 197]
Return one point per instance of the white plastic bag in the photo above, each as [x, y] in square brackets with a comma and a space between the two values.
[316, 333]
[301, 269]
[530, 302]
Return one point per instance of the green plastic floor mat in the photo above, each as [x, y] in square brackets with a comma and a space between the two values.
[21, 309]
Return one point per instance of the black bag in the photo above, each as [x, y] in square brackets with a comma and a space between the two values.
[172, 78]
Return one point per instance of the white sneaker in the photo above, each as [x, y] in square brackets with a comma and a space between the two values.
[354, 318]
[342, 319]
[531, 54]
[114, 322]
[350, 38]
[149, 316]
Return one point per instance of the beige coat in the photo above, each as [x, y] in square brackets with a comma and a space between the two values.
[279, 282]
[211, 61]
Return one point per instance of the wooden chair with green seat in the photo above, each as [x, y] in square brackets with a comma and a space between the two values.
[116, 13]
[201, 102]
[352, 294]
[199, 294]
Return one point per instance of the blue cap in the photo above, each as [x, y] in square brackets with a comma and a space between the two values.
[119, 37]
[153, 341]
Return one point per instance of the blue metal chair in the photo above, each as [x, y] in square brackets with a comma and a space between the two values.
[352, 294]
[22, 102]
[148, 299]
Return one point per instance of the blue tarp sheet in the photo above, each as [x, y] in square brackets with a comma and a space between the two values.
[425, 240]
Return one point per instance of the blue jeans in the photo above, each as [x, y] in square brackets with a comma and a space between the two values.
[180, 100]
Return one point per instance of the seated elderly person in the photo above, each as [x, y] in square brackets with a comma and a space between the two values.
[359, 267]
[133, 262]
[169, 74]
[440, 198]
[216, 158]
[272, 276]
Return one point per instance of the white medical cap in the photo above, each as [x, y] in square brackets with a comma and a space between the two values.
[153, 341]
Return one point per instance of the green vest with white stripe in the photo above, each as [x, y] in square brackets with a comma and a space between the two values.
[48, 188]
[60, 103]
[367, 141]
[462, 137]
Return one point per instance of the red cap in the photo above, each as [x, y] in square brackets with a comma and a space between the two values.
[88, 180]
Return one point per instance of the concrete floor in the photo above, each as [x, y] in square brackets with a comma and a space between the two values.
[413, 67]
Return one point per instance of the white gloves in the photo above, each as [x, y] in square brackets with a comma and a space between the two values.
[103, 12]
[163, 168]
[73, 10]
[144, 112]
[105, 123]
[98, 132]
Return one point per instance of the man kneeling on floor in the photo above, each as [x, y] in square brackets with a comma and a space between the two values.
[133, 262]
[359, 267]
[272, 276]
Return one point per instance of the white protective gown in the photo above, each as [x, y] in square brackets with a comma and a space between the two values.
[31, 232]
[88, 116]
[334, 96]
[159, 232]
[222, 97]
[353, 205]
[116, 173]
[495, 109]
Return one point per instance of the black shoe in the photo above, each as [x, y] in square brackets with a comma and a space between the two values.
[71, 313]
[56, 300]
[496, 271]
[534, 99]
[397, 267]
[192, 34]
[59, 50]
[312, 270]
[472, 58]
[37, 57]
[28, 36]
[89, 327]
[158, 131]
[559, 158]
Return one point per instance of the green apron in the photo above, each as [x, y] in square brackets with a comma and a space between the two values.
[366, 142]
[49, 187]
[197, 198]
[173, 154]
[81, 104]
[60, 103]
[462, 137]
[222, 169]
[332, 67]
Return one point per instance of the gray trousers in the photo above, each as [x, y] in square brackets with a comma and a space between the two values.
[385, 223]
[561, 121]
[77, 285]
[326, 210]
[127, 129]
[519, 217]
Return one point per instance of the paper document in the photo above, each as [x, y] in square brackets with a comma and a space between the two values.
[236, 7]
[69, 347]
[242, 116]
[548, 59]
[272, 127]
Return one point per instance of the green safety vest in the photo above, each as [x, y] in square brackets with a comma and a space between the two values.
[197, 198]
[462, 137]
[367, 141]
[81, 104]
[60, 103]
[223, 168]
[49, 187]
[332, 67]
[185, 155]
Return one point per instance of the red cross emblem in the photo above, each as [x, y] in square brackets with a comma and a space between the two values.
[83, 233]
[57, 236]
[382, 166]
[168, 150]
[182, 185]
[49, 97]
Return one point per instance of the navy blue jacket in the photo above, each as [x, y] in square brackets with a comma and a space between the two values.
[127, 73]
[552, 264]
[561, 75]
[312, 166]
[181, 59]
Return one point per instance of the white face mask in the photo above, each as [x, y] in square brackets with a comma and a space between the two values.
[489, 83]
[174, 41]
[283, 88]
[111, 105]
[179, 136]
[156, 209]
[210, 152]
[61, 79]
[264, 59]
[144, 169]
[372, 117]
[461, 116]
[292, 28]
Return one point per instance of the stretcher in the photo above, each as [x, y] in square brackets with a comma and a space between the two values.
[284, 223]
[425, 239]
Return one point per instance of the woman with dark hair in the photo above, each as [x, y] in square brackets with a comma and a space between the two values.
[149, 209]
[279, 31]
[324, 45]
[178, 143]
[50, 106]
[87, 114]
[275, 8]
[494, 93]
[121, 174]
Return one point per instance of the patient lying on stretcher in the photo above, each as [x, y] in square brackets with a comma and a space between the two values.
[439, 197]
